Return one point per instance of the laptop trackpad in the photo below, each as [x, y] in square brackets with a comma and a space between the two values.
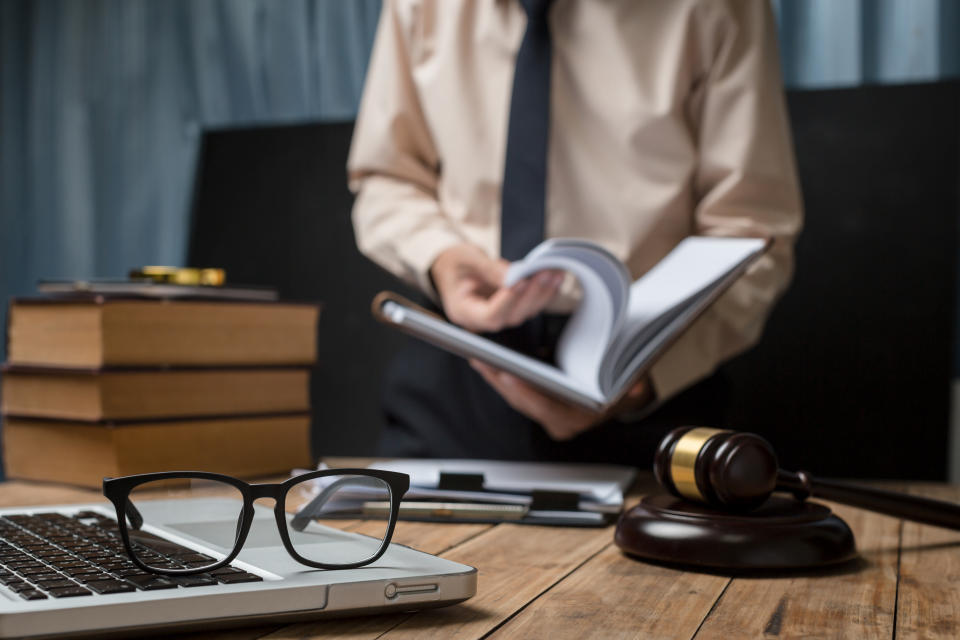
[263, 533]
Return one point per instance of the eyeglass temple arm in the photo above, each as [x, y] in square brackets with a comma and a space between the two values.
[133, 515]
[313, 509]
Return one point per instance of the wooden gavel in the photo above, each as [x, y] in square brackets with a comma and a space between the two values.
[737, 471]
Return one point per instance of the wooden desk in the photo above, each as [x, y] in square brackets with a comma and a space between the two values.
[556, 583]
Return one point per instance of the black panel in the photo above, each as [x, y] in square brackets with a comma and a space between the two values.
[272, 207]
[853, 373]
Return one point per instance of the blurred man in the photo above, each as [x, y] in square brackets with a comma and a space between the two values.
[488, 125]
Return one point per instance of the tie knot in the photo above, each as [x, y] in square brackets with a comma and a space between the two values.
[536, 9]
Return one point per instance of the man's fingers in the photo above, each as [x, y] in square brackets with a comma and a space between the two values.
[510, 307]
[477, 301]
[495, 271]
[480, 314]
[518, 395]
[543, 287]
[558, 419]
[489, 272]
[499, 306]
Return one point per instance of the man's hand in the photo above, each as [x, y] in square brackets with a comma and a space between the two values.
[561, 420]
[470, 285]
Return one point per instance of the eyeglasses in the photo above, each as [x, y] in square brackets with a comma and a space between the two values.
[331, 494]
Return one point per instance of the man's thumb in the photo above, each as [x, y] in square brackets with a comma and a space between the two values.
[494, 271]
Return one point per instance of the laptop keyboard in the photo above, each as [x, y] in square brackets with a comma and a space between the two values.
[52, 555]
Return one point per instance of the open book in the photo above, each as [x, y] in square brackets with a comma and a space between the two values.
[618, 330]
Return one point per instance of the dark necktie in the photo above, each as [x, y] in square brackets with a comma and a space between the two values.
[525, 170]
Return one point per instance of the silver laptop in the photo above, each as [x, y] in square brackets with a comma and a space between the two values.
[42, 595]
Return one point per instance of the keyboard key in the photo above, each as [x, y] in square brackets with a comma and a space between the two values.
[69, 592]
[151, 582]
[31, 571]
[111, 586]
[41, 577]
[194, 581]
[32, 595]
[133, 571]
[93, 577]
[55, 584]
[20, 586]
[235, 578]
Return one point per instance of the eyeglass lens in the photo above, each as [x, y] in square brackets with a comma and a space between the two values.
[217, 524]
[315, 527]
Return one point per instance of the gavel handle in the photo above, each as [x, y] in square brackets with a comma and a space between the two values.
[901, 505]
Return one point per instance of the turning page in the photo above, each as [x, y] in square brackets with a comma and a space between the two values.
[669, 294]
[598, 319]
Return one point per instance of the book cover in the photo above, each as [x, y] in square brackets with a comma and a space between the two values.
[142, 393]
[83, 454]
[101, 331]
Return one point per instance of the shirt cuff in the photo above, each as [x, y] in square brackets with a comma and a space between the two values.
[683, 364]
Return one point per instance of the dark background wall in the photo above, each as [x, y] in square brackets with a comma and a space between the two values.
[106, 107]
[853, 374]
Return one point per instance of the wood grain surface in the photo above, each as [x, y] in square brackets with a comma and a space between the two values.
[560, 582]
[928, 604]
[855, 600]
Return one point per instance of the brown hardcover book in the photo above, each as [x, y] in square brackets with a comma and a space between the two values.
[83, 454]
[130, 394]
[99, 331]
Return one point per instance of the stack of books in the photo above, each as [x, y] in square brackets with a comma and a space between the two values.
[101, 386]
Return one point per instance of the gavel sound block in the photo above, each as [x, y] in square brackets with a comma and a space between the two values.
[743, 528]
[720, 514]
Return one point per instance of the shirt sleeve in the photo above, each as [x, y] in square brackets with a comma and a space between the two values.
[393, 166]
[746, 184]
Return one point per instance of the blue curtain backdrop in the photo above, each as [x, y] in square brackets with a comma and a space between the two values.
[102, 102]
[837, 43]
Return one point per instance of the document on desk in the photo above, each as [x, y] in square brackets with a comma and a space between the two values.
[497, 491]
[567, 492]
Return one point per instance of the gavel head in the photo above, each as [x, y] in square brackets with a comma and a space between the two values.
[726, 469]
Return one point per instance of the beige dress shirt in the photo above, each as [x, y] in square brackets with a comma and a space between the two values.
[667, 119]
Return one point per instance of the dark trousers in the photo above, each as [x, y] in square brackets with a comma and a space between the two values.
[437, 406]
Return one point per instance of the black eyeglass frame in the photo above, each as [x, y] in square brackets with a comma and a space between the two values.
[117, 491]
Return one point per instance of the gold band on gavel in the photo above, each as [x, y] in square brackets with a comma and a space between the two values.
[684, 459]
